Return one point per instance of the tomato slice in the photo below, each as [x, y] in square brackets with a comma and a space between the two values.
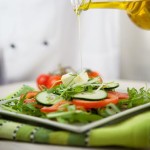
[31, 94]
[53, 108]
[111, 98]
[120, 94]
[27, 101]
[30, 101]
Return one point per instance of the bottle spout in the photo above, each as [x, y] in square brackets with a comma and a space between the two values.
[76, 4]
[80, 5]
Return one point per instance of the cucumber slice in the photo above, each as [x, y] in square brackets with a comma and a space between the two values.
[48, 98]
[111, 85]
[95, 95]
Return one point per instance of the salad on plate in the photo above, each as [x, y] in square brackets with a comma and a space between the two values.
[73, 98]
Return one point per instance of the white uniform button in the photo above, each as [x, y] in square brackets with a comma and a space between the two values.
[45, 43]
[13, 46]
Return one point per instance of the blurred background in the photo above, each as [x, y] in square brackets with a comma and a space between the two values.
[38, 35]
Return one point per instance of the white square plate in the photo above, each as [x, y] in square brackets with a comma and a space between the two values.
[79, 128]
[76, 128]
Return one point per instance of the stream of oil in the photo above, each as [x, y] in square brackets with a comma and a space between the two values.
[79, 38]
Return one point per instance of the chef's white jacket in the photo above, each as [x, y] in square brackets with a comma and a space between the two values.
[37, 35]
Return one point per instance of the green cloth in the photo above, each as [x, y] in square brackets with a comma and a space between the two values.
[133, 133]
[28, 133]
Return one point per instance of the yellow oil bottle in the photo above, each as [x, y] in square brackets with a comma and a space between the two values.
[137, 10]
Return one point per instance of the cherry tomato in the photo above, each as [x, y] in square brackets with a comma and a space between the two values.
[111, 98]
[53, 81]
[42, 79]
[93, 74]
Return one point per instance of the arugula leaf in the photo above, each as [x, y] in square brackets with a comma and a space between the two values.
[136, 98]
[20, 107]
[30, 109]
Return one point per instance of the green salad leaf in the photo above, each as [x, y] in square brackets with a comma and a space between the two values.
[74, 116]
[136, 98]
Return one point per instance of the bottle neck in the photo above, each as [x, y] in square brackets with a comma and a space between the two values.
[95, 4]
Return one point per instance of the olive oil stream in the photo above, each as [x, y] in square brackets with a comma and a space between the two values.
[79, 37]
[137, 10]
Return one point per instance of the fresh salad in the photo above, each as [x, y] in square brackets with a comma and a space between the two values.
[74, 98]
